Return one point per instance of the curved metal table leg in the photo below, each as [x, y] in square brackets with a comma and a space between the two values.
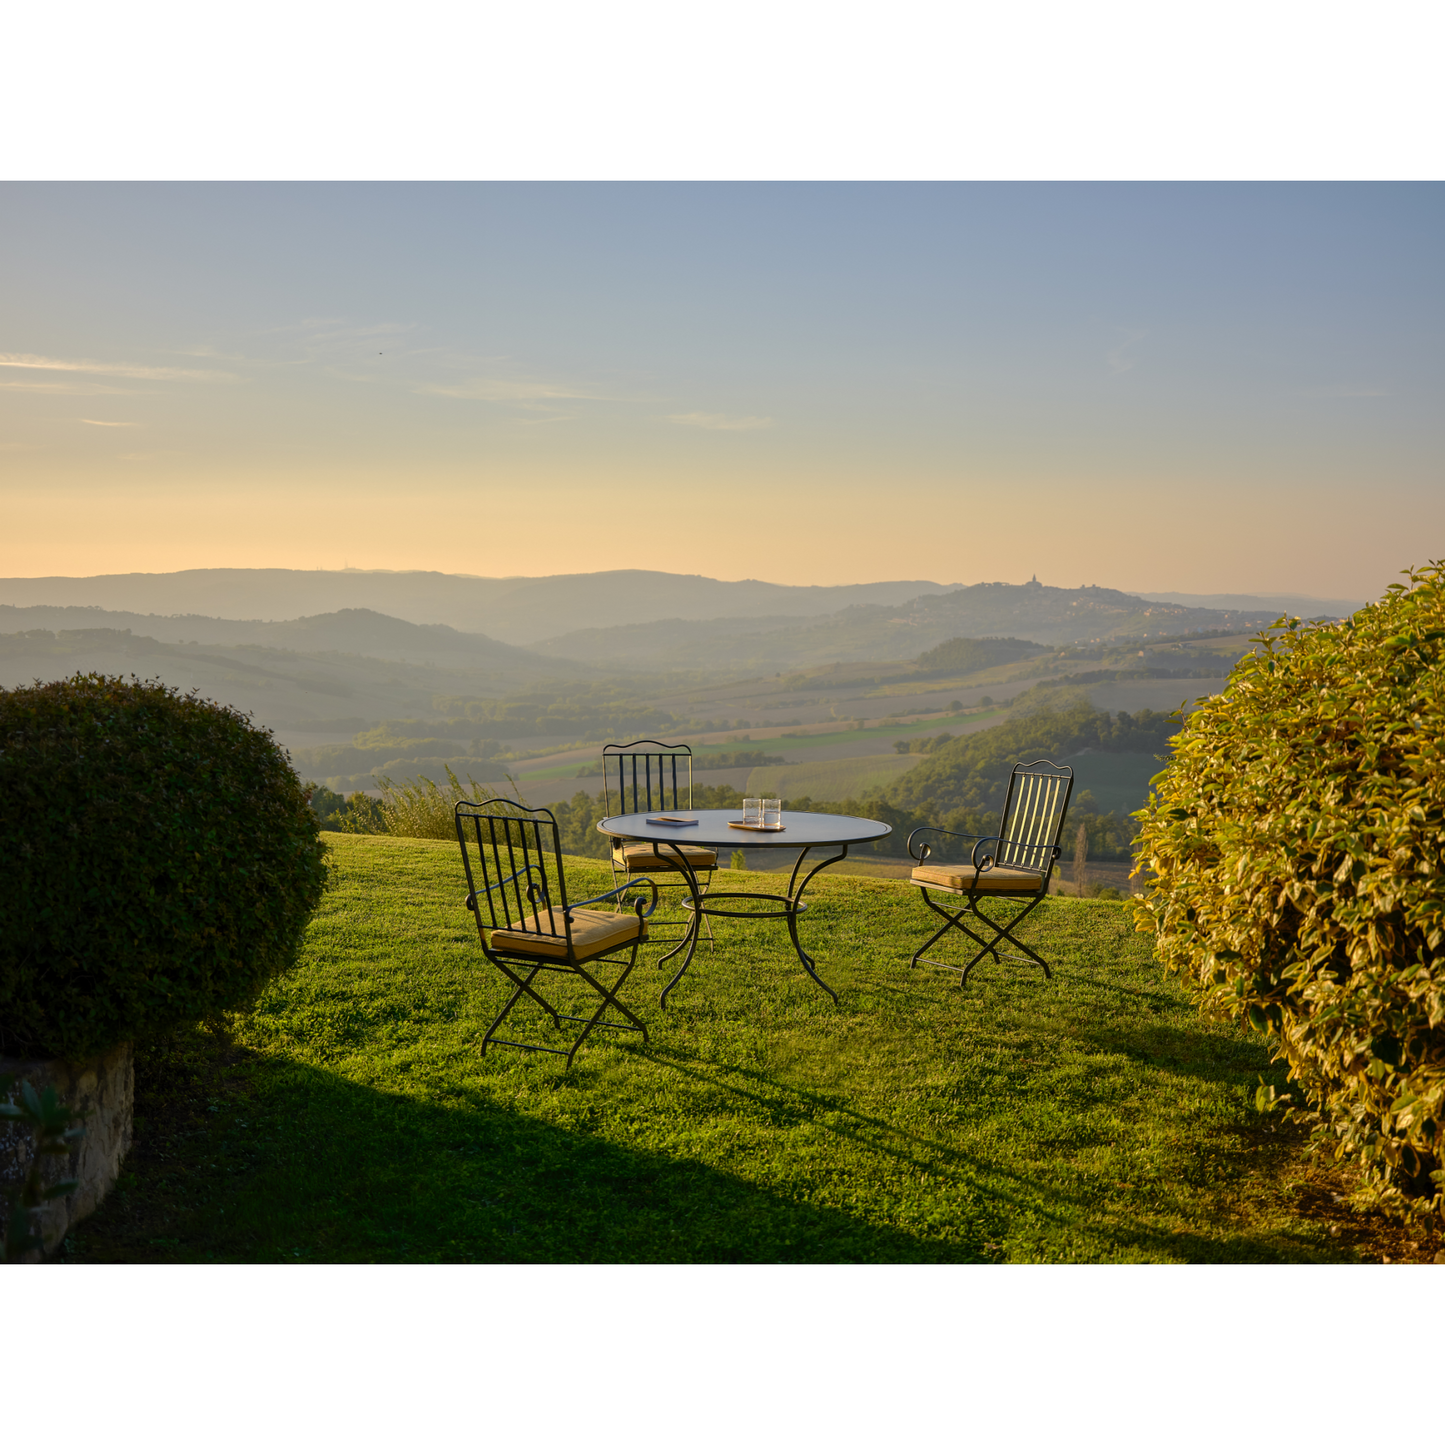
[690, 938]
[795, 898]
[793, 906]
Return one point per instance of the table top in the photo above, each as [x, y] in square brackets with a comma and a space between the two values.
[800, 830]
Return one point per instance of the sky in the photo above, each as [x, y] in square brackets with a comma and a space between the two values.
[1162, 386]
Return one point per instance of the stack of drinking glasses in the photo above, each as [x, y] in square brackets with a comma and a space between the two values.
[763, 813]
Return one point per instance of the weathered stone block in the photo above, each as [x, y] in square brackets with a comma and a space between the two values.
[103, 1087]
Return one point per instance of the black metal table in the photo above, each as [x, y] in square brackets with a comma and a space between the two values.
[803, 831]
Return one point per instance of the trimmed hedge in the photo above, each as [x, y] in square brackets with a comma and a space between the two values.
[160, 863]
[1298, 838]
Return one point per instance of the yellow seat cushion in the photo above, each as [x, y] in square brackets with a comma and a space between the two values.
[960, 878]
[593, 933]
[639, 857]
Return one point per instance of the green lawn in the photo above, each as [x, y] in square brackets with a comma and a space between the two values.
[350, 1117]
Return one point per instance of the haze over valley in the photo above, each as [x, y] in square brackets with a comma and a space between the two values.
[823, 704]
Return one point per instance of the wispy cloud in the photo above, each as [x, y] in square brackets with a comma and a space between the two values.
[69, 388]
[27, 362]
[488, 388]
[87, 421]
[718, 421]
[1119, 358]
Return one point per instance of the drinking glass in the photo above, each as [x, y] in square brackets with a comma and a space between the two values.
[752, 810]
[772, 812]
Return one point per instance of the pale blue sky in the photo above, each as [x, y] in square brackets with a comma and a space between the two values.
[1199, 387]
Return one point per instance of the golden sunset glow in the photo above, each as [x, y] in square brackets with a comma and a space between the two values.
[1196, 387]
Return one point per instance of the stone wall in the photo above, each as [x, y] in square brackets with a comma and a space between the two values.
[104, 1087]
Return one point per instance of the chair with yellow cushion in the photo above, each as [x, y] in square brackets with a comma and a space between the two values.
[643, 777]
[517, 890]
[1012, 866]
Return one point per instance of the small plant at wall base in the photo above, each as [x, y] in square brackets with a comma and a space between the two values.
[54, 1130]
[167, 870]
[1298, 842]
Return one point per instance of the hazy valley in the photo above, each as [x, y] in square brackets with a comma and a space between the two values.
[827, 705]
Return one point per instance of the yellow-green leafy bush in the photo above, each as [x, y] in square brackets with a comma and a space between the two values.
[159, 865]
[1298, 840]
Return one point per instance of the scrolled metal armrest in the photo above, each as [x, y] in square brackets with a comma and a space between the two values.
[982, 864]
[926, 848]
[471, 899]
[634, 883]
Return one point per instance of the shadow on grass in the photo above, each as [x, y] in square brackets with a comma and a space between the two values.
[1184, 1053]
[301, 1165]
[1008, 1190]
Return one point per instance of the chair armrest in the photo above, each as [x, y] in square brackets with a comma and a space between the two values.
[635, 883]
[1050, 850]
[471, 898]
[926, 848]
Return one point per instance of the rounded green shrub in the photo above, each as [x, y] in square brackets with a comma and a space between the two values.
[1298, 840]
[159, 863]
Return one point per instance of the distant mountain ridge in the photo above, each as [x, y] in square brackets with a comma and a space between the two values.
[1038, 614]
[355, 630]
[517, 610]
[327, 674]
[1288, 604]
[1051, 616]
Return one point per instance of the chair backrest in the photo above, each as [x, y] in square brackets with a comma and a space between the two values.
[513, 859]
[645, 775]
[1033, 815]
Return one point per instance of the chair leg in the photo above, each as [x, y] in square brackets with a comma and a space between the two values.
[1005, 930]
[609, 998]
[953, 920]
[522, 986]
[986, 946]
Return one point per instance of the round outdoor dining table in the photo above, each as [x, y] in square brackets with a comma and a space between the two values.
[803, 831]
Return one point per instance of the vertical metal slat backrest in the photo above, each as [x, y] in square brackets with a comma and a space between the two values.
[649, 771]
[1033, 816]
[503, 854]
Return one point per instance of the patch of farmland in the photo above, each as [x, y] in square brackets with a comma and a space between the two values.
[1161, 694]
[1118, 781]
[832, 778]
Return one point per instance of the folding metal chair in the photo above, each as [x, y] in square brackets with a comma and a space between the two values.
[641, 777]
[1015, 864]
[517, 890]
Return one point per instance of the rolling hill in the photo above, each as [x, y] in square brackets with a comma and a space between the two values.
[355, 630]
[314, 685]
[513, 609]
[1051, 616]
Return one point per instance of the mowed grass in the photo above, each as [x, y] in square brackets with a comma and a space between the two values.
[351, 1117]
